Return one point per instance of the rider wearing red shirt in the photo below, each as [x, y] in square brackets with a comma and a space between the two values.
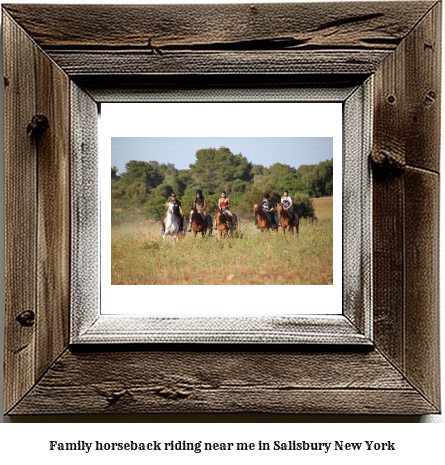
[224, 205]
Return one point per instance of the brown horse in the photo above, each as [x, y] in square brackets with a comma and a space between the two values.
[263, 220]
[224, 224]
[286, 220]
[198, 224]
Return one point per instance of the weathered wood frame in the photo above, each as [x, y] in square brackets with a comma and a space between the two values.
[90, 323]
[93, 53]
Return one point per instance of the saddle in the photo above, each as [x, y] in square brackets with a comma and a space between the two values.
[178, 220]
[269, 216]
[292, 216]
[229, 218]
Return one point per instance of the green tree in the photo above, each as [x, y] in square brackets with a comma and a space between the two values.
[214, 168]
[163, 190]
[156, 208]
[114, 171]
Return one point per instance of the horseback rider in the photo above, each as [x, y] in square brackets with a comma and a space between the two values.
[268, 207]
[200, 204]
[224, 205]
[287, 204]
[177, 210]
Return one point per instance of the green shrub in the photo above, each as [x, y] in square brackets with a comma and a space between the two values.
[303, 205]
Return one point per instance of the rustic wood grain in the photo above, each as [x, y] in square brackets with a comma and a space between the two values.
[388, 268]
[422, 281]
[78, 63]
[221, 382]
[357, 234]
[84, 205]
[407, 132]
[423, 91]
[153, 27]
[389, 142]
[217, 88]
[20, 213]
[399, 377]
[53, 235]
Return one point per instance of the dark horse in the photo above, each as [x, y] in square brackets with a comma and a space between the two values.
[198, 224]
[223, 223]
[263, 219]
[288, 219]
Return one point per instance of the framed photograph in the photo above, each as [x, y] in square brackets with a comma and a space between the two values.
[106, 315]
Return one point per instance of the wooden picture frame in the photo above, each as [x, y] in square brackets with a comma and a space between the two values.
[76, 56]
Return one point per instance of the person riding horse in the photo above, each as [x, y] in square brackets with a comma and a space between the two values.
[200, 204]
[177, 210]
[288, 206]
[224, 205]
[268, 207]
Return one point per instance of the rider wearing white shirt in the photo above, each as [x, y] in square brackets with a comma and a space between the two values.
[287, 201]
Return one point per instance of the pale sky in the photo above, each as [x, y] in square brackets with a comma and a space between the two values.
[181, 151]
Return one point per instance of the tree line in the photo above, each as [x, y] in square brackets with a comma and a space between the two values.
[143, 188]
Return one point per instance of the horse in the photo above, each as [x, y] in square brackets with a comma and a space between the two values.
[287, 221]
[171, 227]
[198, 224]
[263, 220]
[223, 224]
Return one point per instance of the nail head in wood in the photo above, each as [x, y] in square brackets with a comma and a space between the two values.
[26, 318]
[430, 97]
[37, 126]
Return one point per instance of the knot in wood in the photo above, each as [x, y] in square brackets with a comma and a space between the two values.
[37, 126]
[26, 318]
[172, 393]
[386, 162]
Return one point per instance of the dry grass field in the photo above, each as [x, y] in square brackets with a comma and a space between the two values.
[140, 256]
[323, 207]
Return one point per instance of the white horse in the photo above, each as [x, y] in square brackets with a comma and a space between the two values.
[172, 226]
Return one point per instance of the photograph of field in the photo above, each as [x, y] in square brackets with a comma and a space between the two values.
[140, 193]
[139, 255]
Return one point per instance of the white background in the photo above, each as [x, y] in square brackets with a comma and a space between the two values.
[28, 443]
[228, 120]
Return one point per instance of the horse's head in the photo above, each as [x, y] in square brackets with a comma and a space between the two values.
[280, 208]
[191, 214]
[219, 216]
[170, 208]
[256, 207]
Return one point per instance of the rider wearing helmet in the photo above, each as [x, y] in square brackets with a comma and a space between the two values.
[224, 205]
